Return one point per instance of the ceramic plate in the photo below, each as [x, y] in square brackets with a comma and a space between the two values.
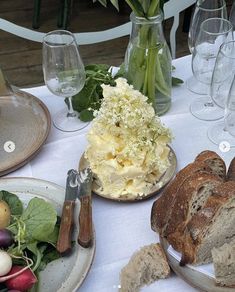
[25, 121]
[66, 273]
[195, 278]
[164, 180]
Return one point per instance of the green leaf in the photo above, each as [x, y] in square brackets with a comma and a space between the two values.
[52, 237]
[85, 97]
[115, 4]
[39, 218]
[49, 254]
[176, 81]
[37, 254]
[90, 97]
[13, 201]
[97, 67]
[137, 7]
[86, 115]
[103, 2]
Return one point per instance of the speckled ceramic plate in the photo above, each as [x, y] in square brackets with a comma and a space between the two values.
[156, 188]
[193, 277]
[67, 273]
[25, 121]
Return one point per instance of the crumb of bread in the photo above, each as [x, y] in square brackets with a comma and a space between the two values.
[145, 267]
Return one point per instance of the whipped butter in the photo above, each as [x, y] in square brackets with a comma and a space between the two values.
[127, 144]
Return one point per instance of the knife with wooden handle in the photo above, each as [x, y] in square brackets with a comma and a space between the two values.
[66, 226]
[85, 235]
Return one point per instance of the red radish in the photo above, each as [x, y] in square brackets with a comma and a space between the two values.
[21, 282]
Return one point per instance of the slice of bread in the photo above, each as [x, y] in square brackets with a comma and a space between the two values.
[191, 197]
[224, 264]
[207, 161]
[145, 266]
[212, 226]
[162, 208]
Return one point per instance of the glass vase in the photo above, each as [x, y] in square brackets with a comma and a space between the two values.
[148, 61]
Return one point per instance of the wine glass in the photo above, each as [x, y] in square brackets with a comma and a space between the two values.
[204, 9]
[222, 91]
[213, 32]
[64, 75]
[232, 15]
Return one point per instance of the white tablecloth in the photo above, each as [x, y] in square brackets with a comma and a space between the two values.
[122, 228]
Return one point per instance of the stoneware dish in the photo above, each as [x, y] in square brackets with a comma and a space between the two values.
[66, 273]
[24, 126]
[193, 277]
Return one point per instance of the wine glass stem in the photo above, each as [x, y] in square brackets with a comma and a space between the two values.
[71, 113]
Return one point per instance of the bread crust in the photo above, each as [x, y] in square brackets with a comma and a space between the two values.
[162, 208]
[210, 157]
[187, 203]
[202, 221]
[231, 171]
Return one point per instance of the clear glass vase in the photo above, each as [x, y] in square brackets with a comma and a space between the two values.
[148, 61]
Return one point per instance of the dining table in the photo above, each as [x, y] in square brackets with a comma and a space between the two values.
[122, 228]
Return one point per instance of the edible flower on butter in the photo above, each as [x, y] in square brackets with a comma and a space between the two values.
[127, 144]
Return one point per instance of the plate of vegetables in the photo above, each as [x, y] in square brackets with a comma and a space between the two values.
[30, 211]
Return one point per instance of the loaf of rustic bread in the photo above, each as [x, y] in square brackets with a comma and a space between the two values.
[145, 266]
[224, 264]
[162, 209]
[210, 227]
[196, 213]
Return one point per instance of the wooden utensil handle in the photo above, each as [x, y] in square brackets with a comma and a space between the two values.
[85, 235]
[64, 240]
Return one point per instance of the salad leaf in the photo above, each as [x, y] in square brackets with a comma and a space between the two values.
[13, 202]
[90, 97]
[36, 230]
[39, 218]
[86, 115]
[49, 255]
[37, 254]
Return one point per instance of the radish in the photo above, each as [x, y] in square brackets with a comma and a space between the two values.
[22, 281]
[5, 214]
[6, 238]
[5, 263]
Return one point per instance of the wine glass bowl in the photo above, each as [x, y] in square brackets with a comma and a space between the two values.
[213, 33]
[229, 116]
[222, 92]
[204, 9]
[64, 75]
